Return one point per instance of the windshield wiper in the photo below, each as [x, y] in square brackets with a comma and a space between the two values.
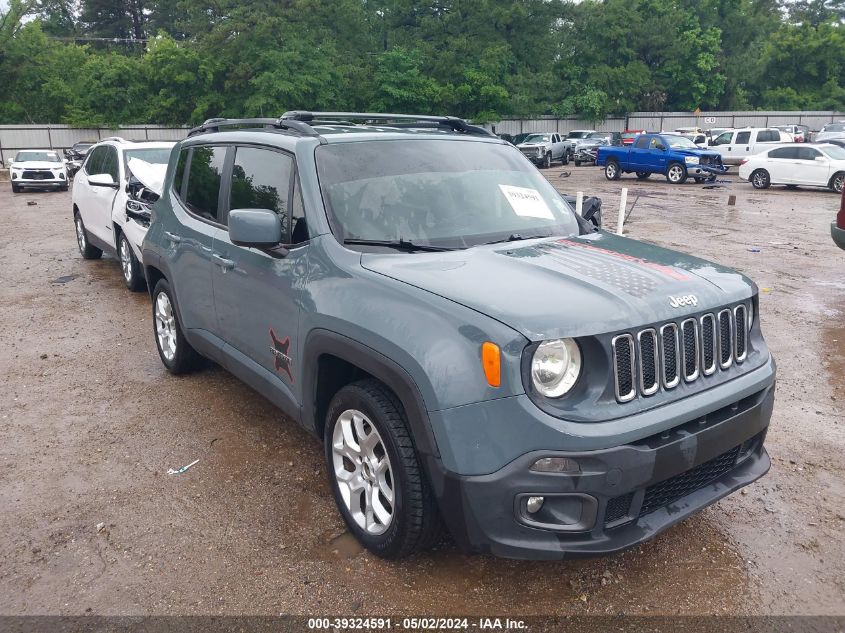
[516, 237]
[400, 244]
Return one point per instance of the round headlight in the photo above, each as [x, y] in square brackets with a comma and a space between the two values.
[555, 367]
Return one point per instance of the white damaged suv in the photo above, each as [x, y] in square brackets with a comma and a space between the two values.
[112, 194]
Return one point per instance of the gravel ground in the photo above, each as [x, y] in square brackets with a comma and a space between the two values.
[90, 423]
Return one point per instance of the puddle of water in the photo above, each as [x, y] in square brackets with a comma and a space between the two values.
[345, 546]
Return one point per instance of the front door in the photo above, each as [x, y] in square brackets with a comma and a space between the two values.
[95, 201]
[257, 293]
[808, 170]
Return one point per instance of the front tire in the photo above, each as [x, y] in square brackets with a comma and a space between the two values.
[15, 188]
[175, 352]
[85, 248]
[376, 478]
[129, 266]
[838, 182]
[577, 163]
[760, 179]
[612, 171]
[676, 174]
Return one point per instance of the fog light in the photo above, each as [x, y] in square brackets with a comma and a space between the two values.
[556, 465]
[534, 504]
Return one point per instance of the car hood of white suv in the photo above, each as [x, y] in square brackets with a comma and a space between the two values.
[151, 175]
[37, 164]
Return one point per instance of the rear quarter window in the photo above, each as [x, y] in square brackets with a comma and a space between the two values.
[205, 170]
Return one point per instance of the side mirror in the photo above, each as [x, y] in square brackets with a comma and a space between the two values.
[102, 180]
[591, 211]
[258, 228]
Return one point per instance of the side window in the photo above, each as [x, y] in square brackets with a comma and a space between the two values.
[768, 136]
[94, 161]
[110, 166]
[807, 153]
[655, 141]
[783, 153]
[261, 180]
[299, 227]
[642, 143]
[203, 190]
[742, 137]
[724, 138]
[179, 176]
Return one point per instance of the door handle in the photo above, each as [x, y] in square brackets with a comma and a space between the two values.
[173, 237]
[225, 264]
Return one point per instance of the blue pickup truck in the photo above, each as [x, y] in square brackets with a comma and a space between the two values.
[674, 156]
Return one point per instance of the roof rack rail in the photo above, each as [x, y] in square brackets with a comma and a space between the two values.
[398, 120]
[216, 124]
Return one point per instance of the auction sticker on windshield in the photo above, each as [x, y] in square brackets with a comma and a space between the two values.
[527, 202]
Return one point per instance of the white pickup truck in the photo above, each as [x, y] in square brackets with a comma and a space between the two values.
[734, 145]
[543, 148]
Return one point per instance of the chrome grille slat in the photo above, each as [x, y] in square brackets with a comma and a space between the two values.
[624, 368]
[696, 347]
[690, 348]
[669, 356]
[649, 373]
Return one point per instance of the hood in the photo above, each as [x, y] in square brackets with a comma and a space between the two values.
[151, 175]
[37, 164]
[590, 143]
[531, 145]
[576, 286]
[696, 152]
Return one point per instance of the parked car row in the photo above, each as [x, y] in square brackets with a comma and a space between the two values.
[357, 280]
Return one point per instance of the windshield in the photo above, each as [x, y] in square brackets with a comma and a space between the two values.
[81, 146]
[630, 134]
[680, 142]
[577, 134]
[449, 193]
[836, 153]
[153, 155]
[30, 157]
[834, 127]
[536, 138]
[599, 135]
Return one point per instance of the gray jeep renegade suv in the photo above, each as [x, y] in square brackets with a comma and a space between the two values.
[413, 292]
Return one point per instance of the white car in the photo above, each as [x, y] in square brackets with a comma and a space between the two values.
[831, 130]
[38, 169]
[734, 145]
[111, 196]
[573, 139]
[821, 165]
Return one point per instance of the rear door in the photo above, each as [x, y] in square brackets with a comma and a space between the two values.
[740, 145]
[196, 212]
[257, 293]
[780, 164]
[99, 199]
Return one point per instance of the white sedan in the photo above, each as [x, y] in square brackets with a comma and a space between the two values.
[821, 165]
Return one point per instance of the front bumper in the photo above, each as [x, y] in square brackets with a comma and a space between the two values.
[838, 235]
[621, 496]
[586, 156]
[39, 182]
[706, 171]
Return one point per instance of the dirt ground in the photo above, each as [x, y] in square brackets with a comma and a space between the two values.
[90, 422]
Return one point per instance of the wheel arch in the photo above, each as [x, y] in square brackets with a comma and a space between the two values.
[332, 360]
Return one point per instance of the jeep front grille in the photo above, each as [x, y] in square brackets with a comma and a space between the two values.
[652, 358]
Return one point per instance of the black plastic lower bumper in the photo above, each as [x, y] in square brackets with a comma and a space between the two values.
[620, 496]
[838, 235]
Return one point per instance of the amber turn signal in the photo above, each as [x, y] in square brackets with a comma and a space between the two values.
[491, 360]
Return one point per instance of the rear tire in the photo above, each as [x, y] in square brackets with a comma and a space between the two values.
[565, 159]
[577, 163]
[838, 182]
[760, 179]
[676, 174]
[643, 175]
[374, 472]
[129, 265]
[547, 160]
[85, 248]
[175, 352]
[612, 171]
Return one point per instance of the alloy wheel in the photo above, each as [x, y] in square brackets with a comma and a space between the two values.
[165, 322]
[676, 173]
[126, 260]
[80, 234]
[610, 171]
[838, 183]
[760, 179]
[363, 472]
